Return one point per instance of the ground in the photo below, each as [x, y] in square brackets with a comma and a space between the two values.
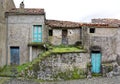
[98, 80]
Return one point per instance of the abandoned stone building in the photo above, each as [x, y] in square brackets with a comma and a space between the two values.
[20, 27]
[63, 32]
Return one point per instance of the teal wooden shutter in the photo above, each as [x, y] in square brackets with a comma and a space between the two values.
[37, 33]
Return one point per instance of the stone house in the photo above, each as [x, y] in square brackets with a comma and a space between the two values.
[24, 26]
[64, 32]
[102, 43]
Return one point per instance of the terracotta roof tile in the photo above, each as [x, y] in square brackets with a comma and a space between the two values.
[96, 25]
[62, 24]
[26, 11]
[69, 24]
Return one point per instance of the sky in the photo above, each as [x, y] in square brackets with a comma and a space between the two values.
[75, 10]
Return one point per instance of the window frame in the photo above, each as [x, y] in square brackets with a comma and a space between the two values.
[38, 33]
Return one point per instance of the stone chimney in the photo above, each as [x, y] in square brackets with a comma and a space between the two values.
[21, 7]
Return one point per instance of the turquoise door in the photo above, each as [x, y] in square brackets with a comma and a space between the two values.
[14, 55]
[37, 33]
[96, 62]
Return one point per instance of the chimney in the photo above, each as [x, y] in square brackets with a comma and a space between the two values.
[22, 5]
[21, 9]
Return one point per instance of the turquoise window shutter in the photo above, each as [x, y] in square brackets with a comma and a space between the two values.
[37, 33]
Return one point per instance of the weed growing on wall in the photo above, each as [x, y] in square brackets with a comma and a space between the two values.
[76, 73]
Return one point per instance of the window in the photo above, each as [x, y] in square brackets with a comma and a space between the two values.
[37, 33]
[50, 32]
[92, 30]
[80, 33]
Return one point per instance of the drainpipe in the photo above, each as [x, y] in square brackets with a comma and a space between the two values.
[6, 40]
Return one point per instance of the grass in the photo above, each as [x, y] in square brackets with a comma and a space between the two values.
[6, 71]
[96, 74]
[3, 80]
[71, 75]
[67, 49]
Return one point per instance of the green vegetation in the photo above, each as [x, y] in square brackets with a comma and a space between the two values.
[96, 74]
[3, 80]
[70, 75]
[35, 44]
[65, 50]
[109, 66]
[6, 71]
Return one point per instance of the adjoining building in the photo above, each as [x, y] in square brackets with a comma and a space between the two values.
[5, 5]
[24, 26]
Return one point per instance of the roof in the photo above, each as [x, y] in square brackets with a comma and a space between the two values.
[26, 11]
[106, 20]
[100, 25]
[69, 24]
[62, 24]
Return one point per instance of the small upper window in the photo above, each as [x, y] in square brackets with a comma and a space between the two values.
[50, 32]
[92, 30]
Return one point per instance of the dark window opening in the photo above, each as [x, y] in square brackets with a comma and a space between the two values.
[92, 30]
[95, 51]
[64, 33]
[50, 32]
[80, 33]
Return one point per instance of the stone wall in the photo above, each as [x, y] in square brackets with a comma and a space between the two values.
[56, 39]
[73, 36]
[4, 6]
[20, 33]
[118, 42]
[50, 66]
[36, 51]
[2, 44]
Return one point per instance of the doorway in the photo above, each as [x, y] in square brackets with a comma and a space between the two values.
[96, 61]
[14, 52]
[64, 37]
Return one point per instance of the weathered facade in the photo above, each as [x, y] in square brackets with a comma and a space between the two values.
[105, 38]
[63, 32]
[4, 6]
[23, 26]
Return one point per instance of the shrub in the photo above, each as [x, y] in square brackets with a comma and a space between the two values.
[68, 74]
[78, 43]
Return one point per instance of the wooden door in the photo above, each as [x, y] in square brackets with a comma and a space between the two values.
[96, 62]
[14, 55]
[64, 37]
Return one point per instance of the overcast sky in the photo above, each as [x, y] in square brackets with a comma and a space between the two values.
[76, 10]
